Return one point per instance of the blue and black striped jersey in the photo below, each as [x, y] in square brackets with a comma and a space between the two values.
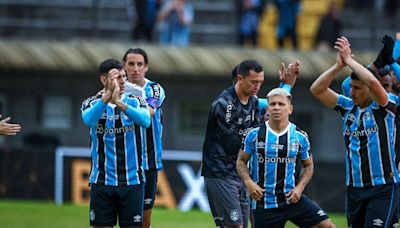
[152, 136]
[229, 121]
[369, 135]
[116, 146]
[273, 161]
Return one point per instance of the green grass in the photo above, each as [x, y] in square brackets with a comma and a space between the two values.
[32, 214]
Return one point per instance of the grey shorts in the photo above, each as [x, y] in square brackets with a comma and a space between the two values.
[229, 201]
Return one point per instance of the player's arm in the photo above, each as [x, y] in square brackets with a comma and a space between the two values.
[320, 87]
[306, 174]
[156, 99]
[92, 110]
[136, 110]
[288, 75]
[378, 93]
[396, 48]
[256, 192]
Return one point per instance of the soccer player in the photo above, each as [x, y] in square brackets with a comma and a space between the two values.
[8, 128]
[136, 65]
[116, 177]
[233, 113]
[274, 148]
[368, 130]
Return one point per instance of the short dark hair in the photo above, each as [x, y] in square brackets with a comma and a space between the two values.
[234, 73]
[354, 76]
[109, 64]
[382, 72]
[246, 66]
[136, 51]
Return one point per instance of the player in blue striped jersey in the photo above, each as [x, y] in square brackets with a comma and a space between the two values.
[275, 148]
[116, 177]
[369, 134]
[233, 114]
[136, 65]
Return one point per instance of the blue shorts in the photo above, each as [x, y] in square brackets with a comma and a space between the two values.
[229, 201]
[305, 213]
[371, 206]
[150, 188]
[109, 202]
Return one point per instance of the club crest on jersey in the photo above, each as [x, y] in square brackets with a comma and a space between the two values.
[234, 215]
[368, 116]
[294, 146]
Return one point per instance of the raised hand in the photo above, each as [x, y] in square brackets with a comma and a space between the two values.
[8, 128]
[288, 75]
[342, 45]
[388, 41]
[116, 96]
[388, 50]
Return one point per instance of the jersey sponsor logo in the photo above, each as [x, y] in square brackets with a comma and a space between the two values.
[279, 160]
[234, 215]
[260, 158]
[110, 117]
[243, 132]
[92, 215]
[276, 146]
[360, 133]
[101, 130]
[137, 218]
[156, 91]
[377, 222]
[228, 114]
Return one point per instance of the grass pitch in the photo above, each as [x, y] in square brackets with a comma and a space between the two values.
[39, 214]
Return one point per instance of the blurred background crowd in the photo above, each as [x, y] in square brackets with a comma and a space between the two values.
[268, 24]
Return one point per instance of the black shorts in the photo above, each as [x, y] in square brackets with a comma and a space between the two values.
[229, 201]
[109, 202]
[150, 188]
[305, 213]
[372, 206]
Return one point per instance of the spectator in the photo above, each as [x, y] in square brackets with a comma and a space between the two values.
[329, 29]
[142, 16]
[287, 20]
[250, 11]
[175, 19]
